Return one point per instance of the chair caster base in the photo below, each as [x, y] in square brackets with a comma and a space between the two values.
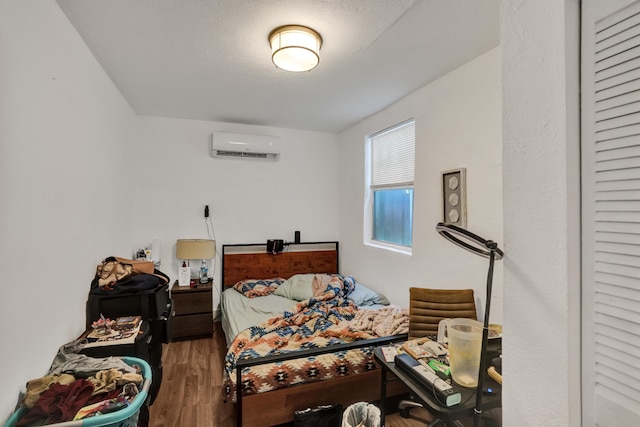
[404, 413]
[405, 405]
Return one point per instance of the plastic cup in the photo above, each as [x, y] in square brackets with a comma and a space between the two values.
[464, 337]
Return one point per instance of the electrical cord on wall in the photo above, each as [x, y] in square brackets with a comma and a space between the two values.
[209, 223]
[212, 235]
[211, 232]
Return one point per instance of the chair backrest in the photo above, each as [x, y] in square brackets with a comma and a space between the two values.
[427, 307]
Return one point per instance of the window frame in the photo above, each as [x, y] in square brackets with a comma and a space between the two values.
[370, 190]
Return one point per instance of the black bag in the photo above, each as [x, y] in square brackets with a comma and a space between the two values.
[321, 416]
[132, 284]
[128, 280]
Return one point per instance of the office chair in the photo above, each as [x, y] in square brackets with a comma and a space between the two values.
[427, 307]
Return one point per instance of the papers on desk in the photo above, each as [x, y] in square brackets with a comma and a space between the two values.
[424, 348]
[115, 337]
[390, 351]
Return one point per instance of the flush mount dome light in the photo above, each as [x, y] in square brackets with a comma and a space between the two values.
[295, 48]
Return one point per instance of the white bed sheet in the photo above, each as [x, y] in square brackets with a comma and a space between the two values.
[240, 312]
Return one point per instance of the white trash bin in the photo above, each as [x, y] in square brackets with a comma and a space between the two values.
[361, 414]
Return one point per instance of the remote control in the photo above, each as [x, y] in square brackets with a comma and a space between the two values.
[426, 375]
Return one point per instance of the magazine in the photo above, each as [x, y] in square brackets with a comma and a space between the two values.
[114, 336]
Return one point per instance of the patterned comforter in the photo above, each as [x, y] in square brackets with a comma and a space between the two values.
[320, 321]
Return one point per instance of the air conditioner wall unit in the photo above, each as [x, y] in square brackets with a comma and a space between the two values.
[244, 145]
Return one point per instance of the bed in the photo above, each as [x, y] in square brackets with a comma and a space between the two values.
[299, 334]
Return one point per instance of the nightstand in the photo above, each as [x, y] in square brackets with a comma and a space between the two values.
[193, 311]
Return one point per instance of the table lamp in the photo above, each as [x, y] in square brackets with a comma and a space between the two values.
[488, 249]
[202, 249]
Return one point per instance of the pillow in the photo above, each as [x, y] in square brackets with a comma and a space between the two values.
[301, 287]
[252, 288]
[364, 296]
[298, 287]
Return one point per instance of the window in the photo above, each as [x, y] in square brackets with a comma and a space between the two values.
[391, 164]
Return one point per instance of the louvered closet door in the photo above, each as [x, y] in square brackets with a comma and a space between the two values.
[611, 212]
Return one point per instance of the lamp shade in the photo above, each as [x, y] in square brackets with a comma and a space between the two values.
[295, 48]
[195, 249]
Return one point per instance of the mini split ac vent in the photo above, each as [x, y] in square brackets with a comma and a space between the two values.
[245, 146]
[250, 155]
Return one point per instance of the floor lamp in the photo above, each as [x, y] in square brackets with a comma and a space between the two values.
[488, 249]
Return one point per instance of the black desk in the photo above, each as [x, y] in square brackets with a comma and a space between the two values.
[444, 415]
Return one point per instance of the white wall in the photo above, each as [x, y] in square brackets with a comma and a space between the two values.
[541, 348]
[458, 124]
[250, 200]
[65, 135]
[82, 177]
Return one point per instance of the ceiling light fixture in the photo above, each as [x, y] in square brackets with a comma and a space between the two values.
[295, 48]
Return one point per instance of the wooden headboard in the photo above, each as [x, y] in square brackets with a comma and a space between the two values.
[252, 261]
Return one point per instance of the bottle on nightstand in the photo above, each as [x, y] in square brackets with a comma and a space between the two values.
[184, 274]
[204, 272]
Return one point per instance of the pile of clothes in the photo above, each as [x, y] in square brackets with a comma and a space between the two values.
[78, 386]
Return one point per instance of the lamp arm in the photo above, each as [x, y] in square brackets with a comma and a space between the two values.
[485, 336]
[488, 249]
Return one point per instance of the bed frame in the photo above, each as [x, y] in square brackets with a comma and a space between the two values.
[252, 261]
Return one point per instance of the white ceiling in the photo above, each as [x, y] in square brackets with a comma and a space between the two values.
[210, 59]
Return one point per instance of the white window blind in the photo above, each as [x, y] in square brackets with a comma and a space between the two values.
[611, 215]
[393, 156]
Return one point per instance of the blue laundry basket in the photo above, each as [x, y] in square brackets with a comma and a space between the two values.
[126, 417]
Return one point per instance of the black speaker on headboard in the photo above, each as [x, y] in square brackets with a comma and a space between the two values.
[274, 246]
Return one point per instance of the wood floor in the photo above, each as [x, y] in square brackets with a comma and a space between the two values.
[190, 395]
